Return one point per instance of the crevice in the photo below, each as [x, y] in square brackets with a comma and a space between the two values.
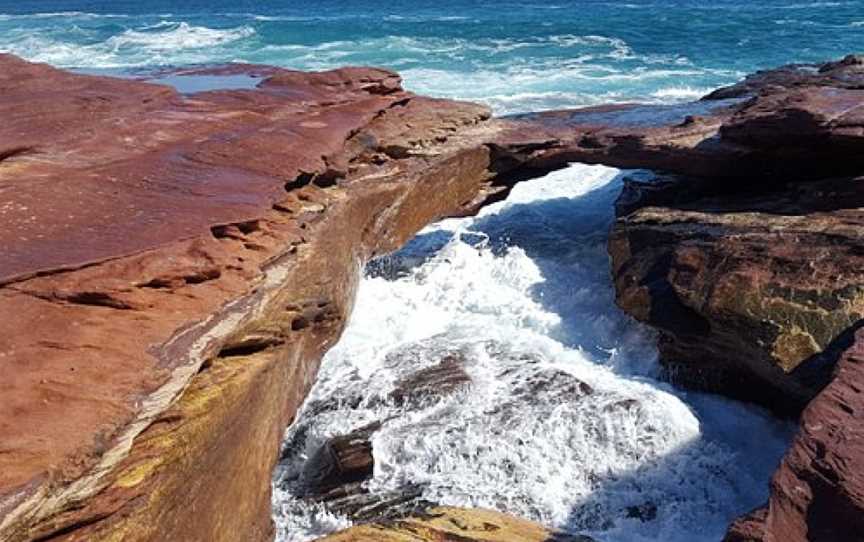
[69, 529]
[398, 103]
[172, 282]
[329, 177]
[300, 181]
[249, 346]
[13, 152]
[235, 230]
[96, 299]
[300, 323]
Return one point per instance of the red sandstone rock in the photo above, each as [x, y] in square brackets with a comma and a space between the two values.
[753, 275]
[748, 258]
[174, 267]
[818, 492]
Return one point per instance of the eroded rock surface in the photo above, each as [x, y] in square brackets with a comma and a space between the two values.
[816, 494]
[464, 525]
[173, 268]
[746, 253]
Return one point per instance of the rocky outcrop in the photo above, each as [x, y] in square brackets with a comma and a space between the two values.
[754, 294]
[817, 494]
[745, 254]
[454, 524]
[174, 267]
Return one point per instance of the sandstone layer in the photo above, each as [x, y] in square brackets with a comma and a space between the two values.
[818, 492]
[440, 524]
[746, 255]
[174, 267]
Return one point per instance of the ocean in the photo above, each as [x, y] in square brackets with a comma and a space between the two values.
[521, 294]
[515, 56]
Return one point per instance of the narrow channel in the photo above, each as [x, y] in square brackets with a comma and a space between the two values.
[502, 375]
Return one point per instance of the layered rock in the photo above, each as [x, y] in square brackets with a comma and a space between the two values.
[454, 524]
[817, 494]
[175, 265]
[746, 255]
[753, 293]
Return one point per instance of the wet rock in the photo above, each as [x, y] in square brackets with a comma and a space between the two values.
[818, 491]
[334, 476]
[454, 524]
[342, 460]
[551, 386]
[361, 505]
[335, 473]
[426, 385]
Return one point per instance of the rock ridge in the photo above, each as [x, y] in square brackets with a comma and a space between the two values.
[175, 267]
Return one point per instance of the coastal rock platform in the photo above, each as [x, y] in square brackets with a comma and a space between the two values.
[175, 265]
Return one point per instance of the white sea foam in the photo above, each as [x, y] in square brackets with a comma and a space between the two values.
[522, 293]
[561, 84]
[684, 93]
[165, 42]
[173, 35]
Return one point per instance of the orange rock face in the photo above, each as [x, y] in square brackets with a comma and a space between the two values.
[173, 268]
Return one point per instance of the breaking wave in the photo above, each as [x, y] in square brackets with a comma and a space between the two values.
[564, 420]
[161, 43]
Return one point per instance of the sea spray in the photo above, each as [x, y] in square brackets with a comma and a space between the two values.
[564, 420]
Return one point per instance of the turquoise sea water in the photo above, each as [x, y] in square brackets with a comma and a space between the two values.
[515, 56]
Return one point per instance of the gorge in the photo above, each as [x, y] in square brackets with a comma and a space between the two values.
[177, 265]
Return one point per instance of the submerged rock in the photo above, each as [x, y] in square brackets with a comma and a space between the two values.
[503, 423]
[341, 461]
[334, 474]
[426, 385]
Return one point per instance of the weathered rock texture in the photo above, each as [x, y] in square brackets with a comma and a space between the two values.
[173, 269]
[817, 494]
[456, 524]
[746, 255]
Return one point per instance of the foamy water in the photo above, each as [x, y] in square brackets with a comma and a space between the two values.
[564, 421]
